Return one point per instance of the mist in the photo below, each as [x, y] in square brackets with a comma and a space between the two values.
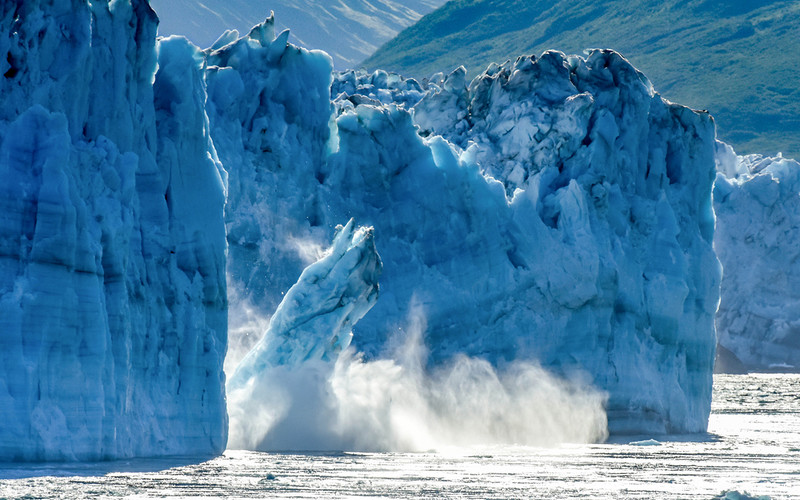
[246, 326]
[397, 404]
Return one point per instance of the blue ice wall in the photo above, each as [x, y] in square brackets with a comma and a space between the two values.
[113, 307]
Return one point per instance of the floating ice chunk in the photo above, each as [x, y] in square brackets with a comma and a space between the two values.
[736, 495]
[646, 442]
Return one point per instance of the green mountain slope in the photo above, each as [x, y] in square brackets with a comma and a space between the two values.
[739, 59]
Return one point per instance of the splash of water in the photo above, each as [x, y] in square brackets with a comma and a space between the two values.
[246, 325]
[396, 404]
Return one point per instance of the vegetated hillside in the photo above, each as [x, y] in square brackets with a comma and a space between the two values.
[737, 58]
[349, 30]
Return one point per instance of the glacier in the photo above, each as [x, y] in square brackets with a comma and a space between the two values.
[553, 209]
[113, 304]
[550, 220]
[757, 203]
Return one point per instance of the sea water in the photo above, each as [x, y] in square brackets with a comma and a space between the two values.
[753, 445]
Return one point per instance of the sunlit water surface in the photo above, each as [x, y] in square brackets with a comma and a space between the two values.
[753, 445]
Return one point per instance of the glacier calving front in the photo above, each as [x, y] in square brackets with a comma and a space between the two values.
[554, 209]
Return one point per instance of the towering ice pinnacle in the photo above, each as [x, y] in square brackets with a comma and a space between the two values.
[310, 329]
[554, 209]
[113, 303]
[316, 317]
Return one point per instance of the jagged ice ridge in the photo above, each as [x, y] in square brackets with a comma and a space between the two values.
[553, 209]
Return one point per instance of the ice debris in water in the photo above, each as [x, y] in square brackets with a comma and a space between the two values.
[645, 442]
[736, 495]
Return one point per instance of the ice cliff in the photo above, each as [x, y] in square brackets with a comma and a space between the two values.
[757, 202]
[555, 208]
[113, 303]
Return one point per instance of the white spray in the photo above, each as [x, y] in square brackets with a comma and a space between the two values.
[395, 404]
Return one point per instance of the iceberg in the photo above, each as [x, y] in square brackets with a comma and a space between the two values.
[113, 303]
[553, 209]
[757, 203]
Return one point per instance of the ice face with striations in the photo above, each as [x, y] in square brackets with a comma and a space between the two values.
[553, 209]
[113, 301]
[758, 242]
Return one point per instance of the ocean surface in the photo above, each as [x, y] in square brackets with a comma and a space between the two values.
[753, 445]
